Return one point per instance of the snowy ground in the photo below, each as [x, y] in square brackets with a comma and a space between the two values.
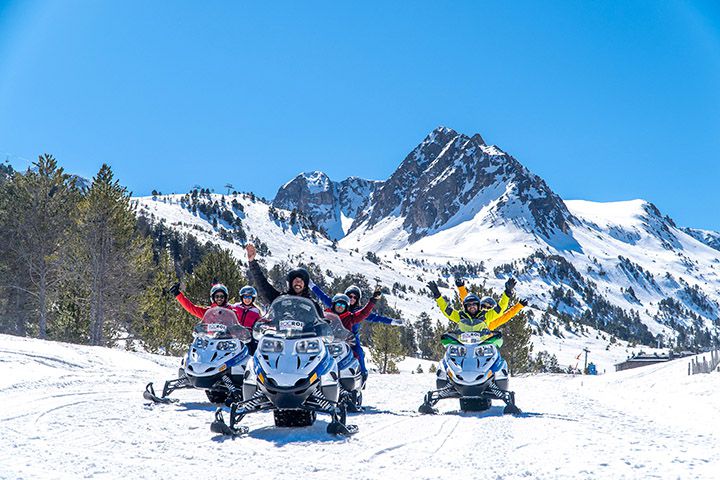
[77, 412]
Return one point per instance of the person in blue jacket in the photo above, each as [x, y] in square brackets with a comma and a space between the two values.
[353, 292]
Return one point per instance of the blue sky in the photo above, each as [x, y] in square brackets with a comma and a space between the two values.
[604, 100]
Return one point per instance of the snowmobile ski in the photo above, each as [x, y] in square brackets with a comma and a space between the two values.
[149, 394]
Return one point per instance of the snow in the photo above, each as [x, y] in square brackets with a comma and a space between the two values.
[74, 411]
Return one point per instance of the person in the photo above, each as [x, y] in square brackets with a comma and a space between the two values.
[218, 298]
[248, 312]
[355, 296]
[298, 280]
[340, 306]
[479, 314]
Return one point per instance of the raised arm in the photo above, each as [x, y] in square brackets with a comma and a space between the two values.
[505, 317]
[326, 300]
[269, 292]
[190, 307]
[447, 310]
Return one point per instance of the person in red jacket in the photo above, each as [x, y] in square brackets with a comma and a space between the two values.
[218, 297]
[341, 307]
[246, 310]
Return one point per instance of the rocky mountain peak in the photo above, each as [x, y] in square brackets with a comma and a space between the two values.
[450, 177]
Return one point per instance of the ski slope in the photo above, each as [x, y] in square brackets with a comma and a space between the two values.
[77, 412]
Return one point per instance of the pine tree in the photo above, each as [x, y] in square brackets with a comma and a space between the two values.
[426, 336]
[113, 257]
[438, 348]
[517, 347]
[164, 326]
[36, 212]
[386, 349]
[217, 266]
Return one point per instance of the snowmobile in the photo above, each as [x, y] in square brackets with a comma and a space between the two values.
[352, 382]
[473, 371]
[215, 361]
[292, 372]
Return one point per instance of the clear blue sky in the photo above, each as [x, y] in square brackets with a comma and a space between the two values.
[604, 100]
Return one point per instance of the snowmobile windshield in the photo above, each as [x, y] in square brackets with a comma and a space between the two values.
[221, 323]
[340, 333]
[294, 316]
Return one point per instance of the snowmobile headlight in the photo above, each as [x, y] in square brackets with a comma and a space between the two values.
[201, 343]
[335, 349]
[308, 346]
[226, 345]
[270, 345]
[457, 351]
[484, 351]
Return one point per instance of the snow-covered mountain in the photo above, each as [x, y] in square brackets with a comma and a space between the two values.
[458, 206]
[708, 237]
[332, 205]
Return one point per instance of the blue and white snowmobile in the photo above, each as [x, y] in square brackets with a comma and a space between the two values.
[215, 361]
[351, 378]
[292, 371]
[473, 371]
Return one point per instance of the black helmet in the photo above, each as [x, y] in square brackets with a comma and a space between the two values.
[298, 272]
[355, 290]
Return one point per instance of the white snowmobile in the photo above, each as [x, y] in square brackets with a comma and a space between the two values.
[292, 371]
[473, 371]
[351, 379]
[215, 361]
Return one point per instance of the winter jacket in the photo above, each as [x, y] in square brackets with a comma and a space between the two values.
[198, 310]
[351, 318]
[270, 293]
[372, 317]
[491, 319]
[247, 314]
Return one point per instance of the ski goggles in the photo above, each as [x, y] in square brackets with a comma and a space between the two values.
[341, 304]
[247, 296]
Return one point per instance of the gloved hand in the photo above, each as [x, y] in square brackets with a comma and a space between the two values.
[175, 289]
[398, 322]
[459, 281]
[311, 284]
[432, 286]
[524, 302]
[377, 294]
[510, 286]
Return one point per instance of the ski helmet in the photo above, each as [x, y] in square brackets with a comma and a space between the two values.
[298, 272]
[341, 298]
[354, 290]
[218, 287]
[471, 298]
[248, 290]
[487, 303]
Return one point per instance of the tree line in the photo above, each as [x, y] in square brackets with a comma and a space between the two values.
[78, 265]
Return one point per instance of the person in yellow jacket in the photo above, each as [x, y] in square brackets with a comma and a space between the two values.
[479, 314]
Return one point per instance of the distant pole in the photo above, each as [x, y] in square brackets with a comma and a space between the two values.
[586, 352]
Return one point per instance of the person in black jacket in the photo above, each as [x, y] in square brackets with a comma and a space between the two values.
[298, 281]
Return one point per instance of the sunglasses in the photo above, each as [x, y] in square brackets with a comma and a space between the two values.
[219, 295]
[352, 295]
